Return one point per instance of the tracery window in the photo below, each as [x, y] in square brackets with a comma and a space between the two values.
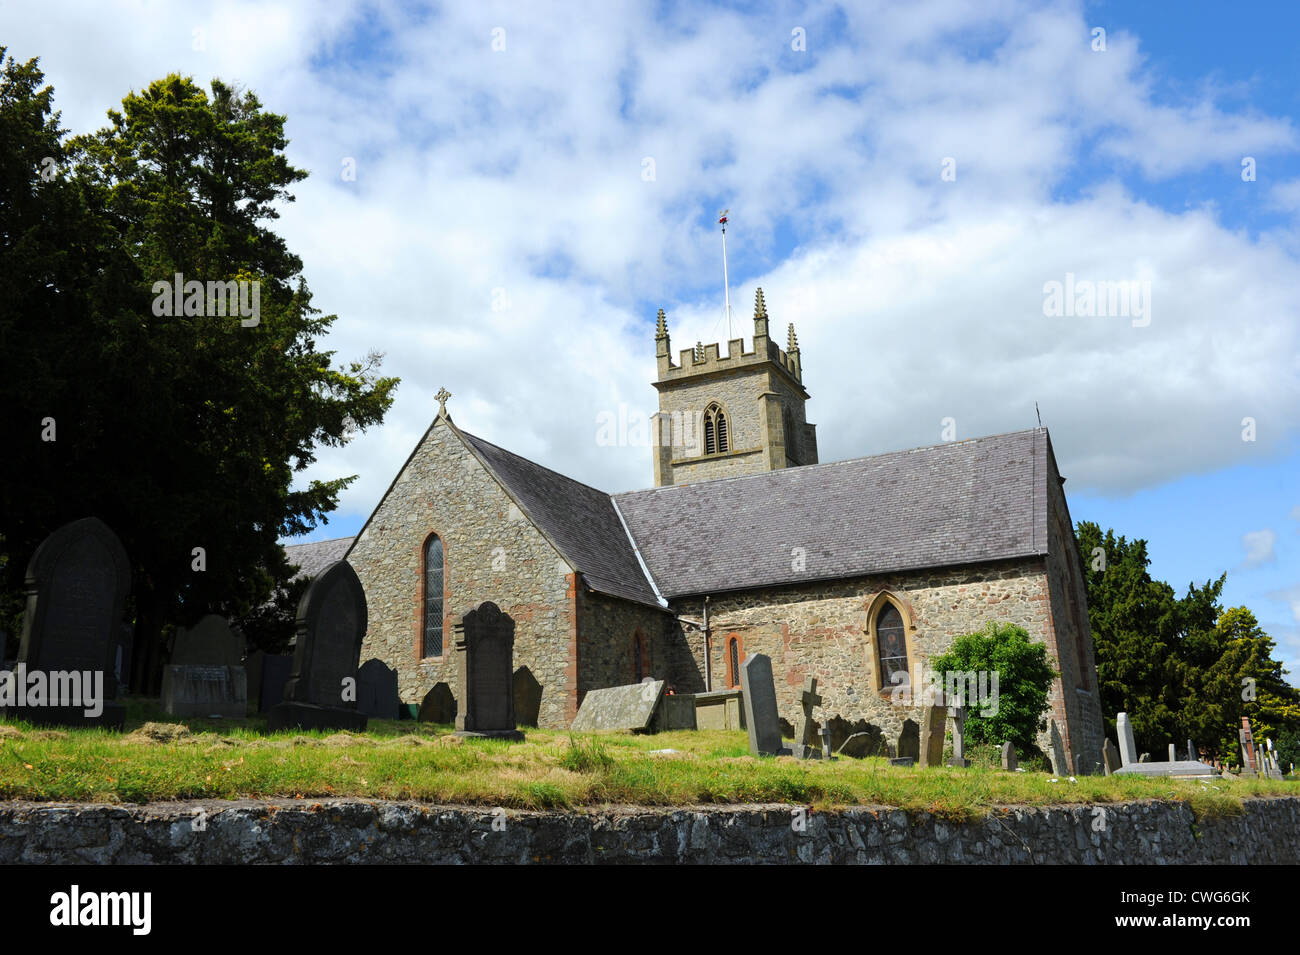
[433, 581]
[715, 430]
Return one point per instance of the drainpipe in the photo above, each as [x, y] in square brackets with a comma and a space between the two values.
[708, 649]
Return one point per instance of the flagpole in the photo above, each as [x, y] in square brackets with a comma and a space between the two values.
[726, 284]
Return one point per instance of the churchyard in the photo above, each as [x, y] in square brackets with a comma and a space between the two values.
[332, 729]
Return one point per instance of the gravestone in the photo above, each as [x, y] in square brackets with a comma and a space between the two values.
[934, 721]
[761, 718]
[528, 697]
[1009, 760]
[1110, 757]
[77, 583]
[332, 619]
[209, 643]
[959, 738]
[804, 737]
[1060, 766]
[439, 705]
[1191, 750]
[1144, 758]
[206, 676]
[628, 707]
[377, 695]
[1249, 764]
[1173, 753]
[676, 711]
[485, 644]
[909, 741]
[1128, 753]
[275, 672]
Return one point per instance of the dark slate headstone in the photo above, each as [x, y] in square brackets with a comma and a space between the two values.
[761, 718]
[485, 643]
[1056, 752]
[1009, 760]
[377, 690]
[439, 705]
[858, 739]
[209, 643]
[77, 583]
[276, 669]
[528, 697]
[331, 625]
[193, 690]
[909, 741]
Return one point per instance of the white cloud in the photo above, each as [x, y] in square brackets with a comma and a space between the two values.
[915, 299]
[1260, 547]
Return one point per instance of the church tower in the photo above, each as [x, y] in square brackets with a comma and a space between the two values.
[724, 417]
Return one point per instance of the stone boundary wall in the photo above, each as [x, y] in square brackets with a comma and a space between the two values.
[362, 831]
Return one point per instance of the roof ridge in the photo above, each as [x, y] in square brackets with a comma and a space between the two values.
[831, 464]
[328, 540]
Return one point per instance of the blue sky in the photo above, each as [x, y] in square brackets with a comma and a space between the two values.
[502, 237]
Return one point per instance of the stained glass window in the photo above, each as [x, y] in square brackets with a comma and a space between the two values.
[891, 642]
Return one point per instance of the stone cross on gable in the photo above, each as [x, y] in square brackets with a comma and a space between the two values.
[442, 396]
[803, 734]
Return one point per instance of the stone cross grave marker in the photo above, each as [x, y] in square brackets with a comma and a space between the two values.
[1110, 757]
[1009, 760]
[959, 738]
[77, 583]
[485, 642]
[761, 717]
[1060, 766]
[1128, 753]
[321, 690]
[803, 727]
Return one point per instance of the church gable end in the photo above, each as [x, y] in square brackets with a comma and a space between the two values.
[490, 551]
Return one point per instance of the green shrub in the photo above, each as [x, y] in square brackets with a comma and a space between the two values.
[1024, 677]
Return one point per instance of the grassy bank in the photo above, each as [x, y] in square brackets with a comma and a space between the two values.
[160, 758]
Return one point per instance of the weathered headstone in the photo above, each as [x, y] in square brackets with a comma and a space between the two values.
[909, 741]
[1249, 763]
[1110, 757]
[485, 644]
[934, 720]
[959, 738]
[321, 692]
[1144, 758]
[628, 707]
[1191, 750]
[439, 705]
[528, 697]
[206, 676]
[870, 741]
[77, 584]
[1009, 760]
[676, 711]
[1060, 766]
[761, 717]
[804, 737]
[1128, 753]
[1173, 753]
[209, 643]
[826, 743]
[377, 695]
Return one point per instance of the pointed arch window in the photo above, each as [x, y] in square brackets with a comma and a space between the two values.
[715, 430]
[733, 662]
[433, 597]
[891, 642]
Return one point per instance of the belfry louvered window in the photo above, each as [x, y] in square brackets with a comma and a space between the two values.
[433, 571]
[715, 430]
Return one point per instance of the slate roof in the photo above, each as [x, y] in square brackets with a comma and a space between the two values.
[579, 519]
[957, 503]
[314, 557]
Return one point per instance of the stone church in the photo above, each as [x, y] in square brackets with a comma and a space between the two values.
[854, 572]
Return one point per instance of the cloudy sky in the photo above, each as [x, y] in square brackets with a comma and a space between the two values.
[905, 181]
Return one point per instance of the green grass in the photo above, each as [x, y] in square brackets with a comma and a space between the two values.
[162, 758]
